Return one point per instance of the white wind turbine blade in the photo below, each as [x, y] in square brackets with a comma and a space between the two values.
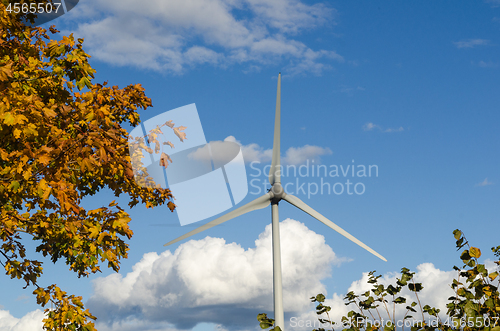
[274, 172]
[259, 203]
[301, 205]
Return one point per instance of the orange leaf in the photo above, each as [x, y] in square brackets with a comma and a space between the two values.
[180, 134]
[102, 154]
[164, 160]
[44, 159]
[169, 144]
[49, 112]
[6, 71]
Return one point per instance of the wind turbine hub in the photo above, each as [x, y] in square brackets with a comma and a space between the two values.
[278, 193]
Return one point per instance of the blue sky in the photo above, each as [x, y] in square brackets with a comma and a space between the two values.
[412, 88]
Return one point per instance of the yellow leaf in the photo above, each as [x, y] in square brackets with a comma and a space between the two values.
[46, 193]
[27, 174]
[20, 119]
[49, 112]
[3, 154]
[101, 236]
[30, 130]
[8, 119]
[87, 164]
[102, 154]
[44, 159]
[17, 133]
[6, 71]
[475, 252]
[121, 222]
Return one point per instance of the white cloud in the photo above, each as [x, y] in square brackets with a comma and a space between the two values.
[171, 36]
[293, 155]
[394, 129]
[485, 182]
[220, 152]
[349, 91]
[436, 291]
[493, 3]
[300, 155]
[209, 280]
[183, 283]
[290, 16]
[31, 321]
[487, 64]
[470, 43]
[371, 126]
[253, 152]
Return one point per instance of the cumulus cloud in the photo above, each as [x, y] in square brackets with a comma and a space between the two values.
[209, 280]
[293, 156]
[210, 274]
[436, 290]
[172, 36]
[220, 152]
[470, 43]
[300, 155]
[485, 182]
[253, 152]
[31, 321]
[371, 126]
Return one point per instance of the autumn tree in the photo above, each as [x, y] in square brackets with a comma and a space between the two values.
[62, 139]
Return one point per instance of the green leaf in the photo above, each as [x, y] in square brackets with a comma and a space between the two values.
[14, 185]
[470, 309]
[465, 256]
[8, 119]
[320, 298]
[457, 233]
[400, 300]
[415, 287]
[265, 325]
[393, 290]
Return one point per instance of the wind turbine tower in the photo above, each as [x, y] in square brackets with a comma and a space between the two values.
[273, 198]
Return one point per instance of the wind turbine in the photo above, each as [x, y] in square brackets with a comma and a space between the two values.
[273, 197]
